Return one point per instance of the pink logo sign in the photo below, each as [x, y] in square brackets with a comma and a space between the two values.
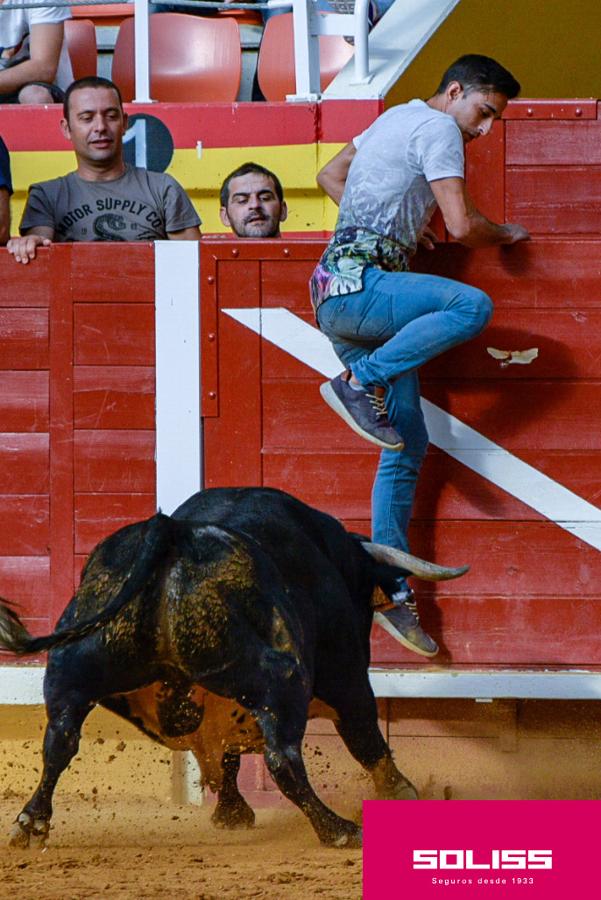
[537, 850]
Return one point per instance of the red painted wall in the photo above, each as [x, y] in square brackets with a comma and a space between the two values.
[76, 413]
[77, 405]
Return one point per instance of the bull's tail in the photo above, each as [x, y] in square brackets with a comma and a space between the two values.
[15, 638]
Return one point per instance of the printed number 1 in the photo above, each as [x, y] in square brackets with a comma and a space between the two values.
[137, 134]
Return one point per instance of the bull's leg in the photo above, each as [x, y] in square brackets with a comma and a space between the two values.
[232, 810]
[357, 725]
[282, 716]
[61, 742]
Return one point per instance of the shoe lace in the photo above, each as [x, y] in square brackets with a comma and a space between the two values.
[379, 406]
[410, 604]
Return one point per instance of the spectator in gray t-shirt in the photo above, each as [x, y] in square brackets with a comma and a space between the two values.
[104, 199]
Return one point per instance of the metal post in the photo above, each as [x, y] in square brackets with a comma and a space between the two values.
[361, 29]
[142, 52]
[306, 52]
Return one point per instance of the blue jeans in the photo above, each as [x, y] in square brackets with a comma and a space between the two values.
[383, 334]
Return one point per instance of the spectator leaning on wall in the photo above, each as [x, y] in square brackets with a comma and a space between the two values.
[6, 189]
[34, 61]
[105, 199]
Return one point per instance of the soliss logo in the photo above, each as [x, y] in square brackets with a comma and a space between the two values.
[493, 859]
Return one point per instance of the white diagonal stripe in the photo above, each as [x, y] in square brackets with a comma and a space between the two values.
[474, 450]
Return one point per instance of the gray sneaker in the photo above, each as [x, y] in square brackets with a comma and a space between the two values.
[365, 411]
[402, 622]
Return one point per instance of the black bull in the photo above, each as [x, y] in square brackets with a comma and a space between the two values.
[213, 630]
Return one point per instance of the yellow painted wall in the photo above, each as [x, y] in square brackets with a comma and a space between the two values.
[553, 47]
[295, 164]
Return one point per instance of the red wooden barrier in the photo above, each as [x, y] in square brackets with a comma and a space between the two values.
[76, 413]
[77, 396]
[532, 597]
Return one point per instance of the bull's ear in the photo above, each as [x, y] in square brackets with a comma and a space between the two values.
[418, 567]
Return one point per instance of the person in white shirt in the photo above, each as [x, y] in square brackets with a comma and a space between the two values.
[34, 61]
[384, 321]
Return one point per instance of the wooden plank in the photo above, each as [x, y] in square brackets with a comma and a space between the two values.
[105, 272]
[232, 441]
[508, 558]
[286, 283]
[23, 401]
[548, 202]
[544, 274]
[25, 525]
[504, 632]
[533, 415]
[114, 397]
[340, 483]
[114, 334]
[568, 341]
[538, 415]
[25, 286]
[98, 515]
[23, 338]
[485, 173]
[551, 109]
[114, 461]
[61, 431]
[558, 144]
[26, 580]
[24, 464]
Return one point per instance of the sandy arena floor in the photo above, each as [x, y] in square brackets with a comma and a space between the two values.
[106, 848]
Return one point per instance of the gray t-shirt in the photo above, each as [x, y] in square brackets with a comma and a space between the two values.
[387, 189]
[387, 200]
[138, 206]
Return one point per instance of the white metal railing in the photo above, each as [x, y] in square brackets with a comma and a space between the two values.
[309, 23]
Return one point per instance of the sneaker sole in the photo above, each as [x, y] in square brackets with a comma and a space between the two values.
[383, 622]
[332, 399]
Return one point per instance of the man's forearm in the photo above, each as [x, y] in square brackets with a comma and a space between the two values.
[478, 231]
[465, 223]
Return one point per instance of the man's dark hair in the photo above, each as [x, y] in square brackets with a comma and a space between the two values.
[248, 169]
[480, 73]
[90, 81]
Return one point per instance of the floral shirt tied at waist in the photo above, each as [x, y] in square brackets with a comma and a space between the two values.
[350, 251]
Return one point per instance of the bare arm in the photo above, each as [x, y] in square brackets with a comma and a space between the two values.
[4, 216]
[332, 177]
[186, 234]
[465, 223]
[24, 248]
[45, 47]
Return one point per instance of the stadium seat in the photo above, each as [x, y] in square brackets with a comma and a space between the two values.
[275, 70]
[104, 13]
[80, 35]
[193, 59]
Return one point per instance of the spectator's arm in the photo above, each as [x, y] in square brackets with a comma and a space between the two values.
[45, 44]
[332, 177]
[465, 223]
[186, 234]
[4, 216]
[24, 248]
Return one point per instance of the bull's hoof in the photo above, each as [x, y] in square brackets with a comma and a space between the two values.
[341, 833]
[350, 840]
[403, 790]
[28, 832]
[232, 817]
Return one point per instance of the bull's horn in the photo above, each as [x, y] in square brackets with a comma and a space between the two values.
[418, 567]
